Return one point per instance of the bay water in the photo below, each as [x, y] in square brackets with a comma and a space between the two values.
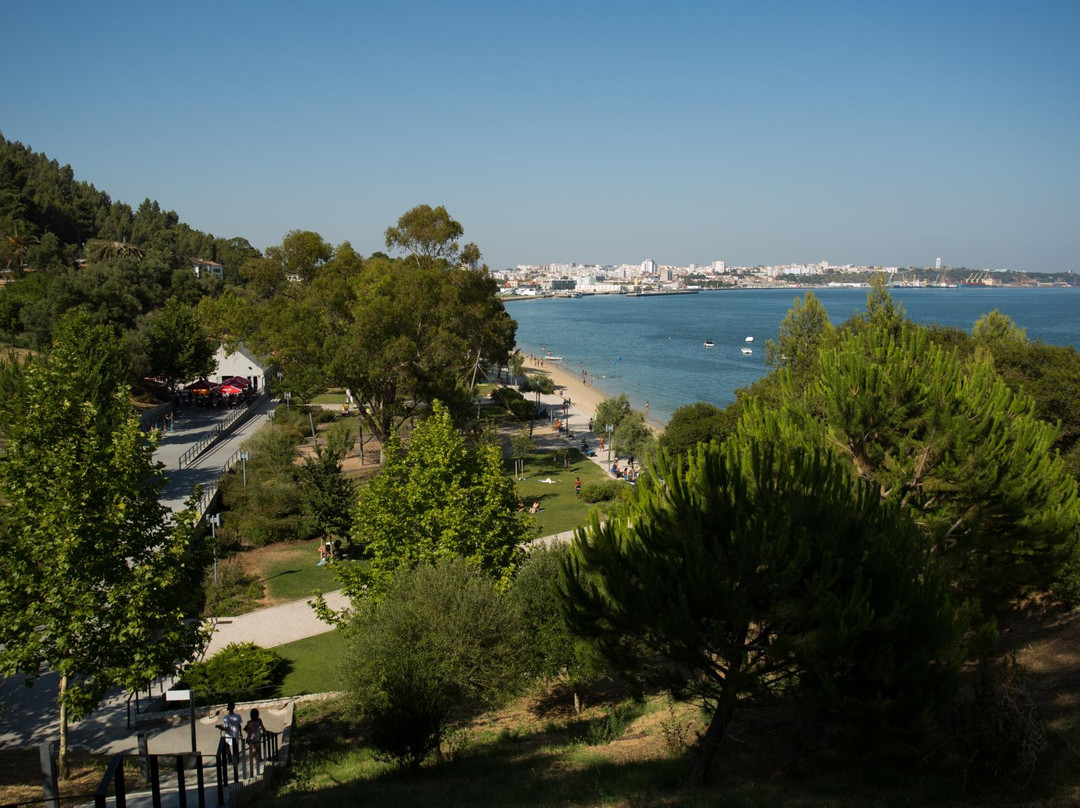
[652, 348]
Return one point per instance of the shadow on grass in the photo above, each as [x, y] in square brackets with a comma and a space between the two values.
[525, 770]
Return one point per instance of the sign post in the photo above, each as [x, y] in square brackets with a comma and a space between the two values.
[185, 695]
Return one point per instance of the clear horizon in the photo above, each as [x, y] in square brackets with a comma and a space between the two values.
[766, 133]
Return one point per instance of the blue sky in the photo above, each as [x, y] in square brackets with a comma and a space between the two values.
[755, 133]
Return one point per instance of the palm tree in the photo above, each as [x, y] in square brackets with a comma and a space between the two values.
[98, 250]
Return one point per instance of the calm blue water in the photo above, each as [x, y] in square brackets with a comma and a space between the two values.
[651, 347]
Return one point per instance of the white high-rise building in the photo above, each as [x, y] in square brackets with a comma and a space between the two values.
[648, 267]
[937, 264]
[719, 267]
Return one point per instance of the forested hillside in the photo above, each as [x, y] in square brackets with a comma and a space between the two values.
[69, 245]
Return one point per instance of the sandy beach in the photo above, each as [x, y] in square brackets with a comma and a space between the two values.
[583, 396]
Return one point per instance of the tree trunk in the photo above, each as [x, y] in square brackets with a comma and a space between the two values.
[65, 769]
[577, 701]
[709, 744]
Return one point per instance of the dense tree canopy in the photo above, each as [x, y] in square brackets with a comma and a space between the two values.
[87, 251]
[947, 440]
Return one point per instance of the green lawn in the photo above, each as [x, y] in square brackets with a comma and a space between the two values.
[560, 509]
[294, 573]
[316, 664]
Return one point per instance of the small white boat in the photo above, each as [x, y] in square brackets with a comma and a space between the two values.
[708, 343]
[748, 339]
[551, 358]
[746, 351]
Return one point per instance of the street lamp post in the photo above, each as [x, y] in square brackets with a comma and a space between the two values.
[270, 417]
[215, 523]
[244, 458]
[288, 399]
[610, 428]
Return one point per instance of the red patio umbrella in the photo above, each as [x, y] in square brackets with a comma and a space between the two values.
[200, 388]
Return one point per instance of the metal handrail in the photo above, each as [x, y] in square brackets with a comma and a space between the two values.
[210, 489]
[194, 451]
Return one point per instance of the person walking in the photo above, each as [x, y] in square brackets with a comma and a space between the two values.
[231, 726]
[254, 730]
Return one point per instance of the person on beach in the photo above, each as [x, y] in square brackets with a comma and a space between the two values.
[646, 409]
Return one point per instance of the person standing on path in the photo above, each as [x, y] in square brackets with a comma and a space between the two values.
[254, 730]
[231, 726]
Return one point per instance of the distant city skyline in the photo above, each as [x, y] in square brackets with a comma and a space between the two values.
[766, 133]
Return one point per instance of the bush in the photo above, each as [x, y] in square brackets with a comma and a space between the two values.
[235, 590]
[540, 384]
[239, 672]
[610, 727]
[999, 736]
[603, 491]
[1066, 586]
[440, 641]
[514, 401]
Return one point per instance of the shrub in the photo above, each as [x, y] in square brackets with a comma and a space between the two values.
[602, 491]
[1066, 586]
[610, 727]
[999, 735]
[235, 590]
[239, 672]
[540, 384]
[440, 641]
[513, 401]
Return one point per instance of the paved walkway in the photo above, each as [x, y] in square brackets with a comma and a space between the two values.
[193, 425]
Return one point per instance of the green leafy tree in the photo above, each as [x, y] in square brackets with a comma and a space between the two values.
[690, 425]
[521, 445]
[440, 643]
[633, 437]
[429, 236]
[554, 650]
[94, 571]
[611, 411]
[755, 569]
[412, 335]
[327, 497]
[440, 498]
[177, 347]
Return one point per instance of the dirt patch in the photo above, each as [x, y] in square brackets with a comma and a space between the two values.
[20, 776]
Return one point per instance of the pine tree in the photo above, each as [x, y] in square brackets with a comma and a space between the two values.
[756, 567]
